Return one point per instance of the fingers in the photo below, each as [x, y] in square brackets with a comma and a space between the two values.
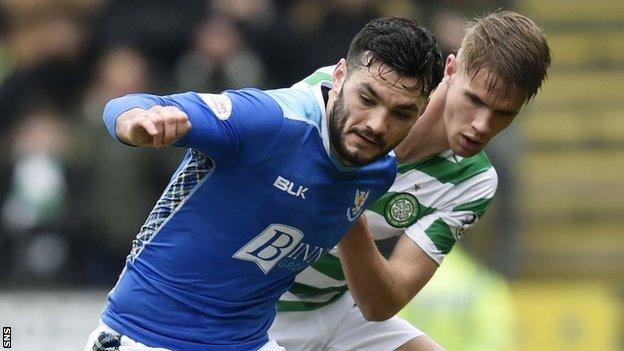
[140, 130]
[182, 128]
[170, 126]
[165, 125]
[147, 125]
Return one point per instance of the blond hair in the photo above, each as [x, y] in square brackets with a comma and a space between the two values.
[511, 48]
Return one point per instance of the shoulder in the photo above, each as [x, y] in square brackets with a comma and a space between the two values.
[451, 170]
[298, 104]
[476, 173]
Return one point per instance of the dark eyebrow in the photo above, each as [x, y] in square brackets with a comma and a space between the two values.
[479, 100]
[403, 107]
[369, 89]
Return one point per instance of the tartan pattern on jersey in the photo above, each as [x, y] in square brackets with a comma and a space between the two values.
[198, 167]
[107, 342]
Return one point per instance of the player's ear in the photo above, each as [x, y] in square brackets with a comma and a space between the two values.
[451, 66]
[340, 73]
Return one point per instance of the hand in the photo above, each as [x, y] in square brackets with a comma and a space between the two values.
[159, 126]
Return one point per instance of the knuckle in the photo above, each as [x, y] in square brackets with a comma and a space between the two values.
[156, 118]
[172, 110]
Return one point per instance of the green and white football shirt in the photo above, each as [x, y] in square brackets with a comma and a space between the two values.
[434, 201]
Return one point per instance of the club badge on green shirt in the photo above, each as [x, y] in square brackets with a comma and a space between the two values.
[402, 210]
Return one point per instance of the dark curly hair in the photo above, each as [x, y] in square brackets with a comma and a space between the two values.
[400, 44]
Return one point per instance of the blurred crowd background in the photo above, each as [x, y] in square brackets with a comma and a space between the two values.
[546, 265]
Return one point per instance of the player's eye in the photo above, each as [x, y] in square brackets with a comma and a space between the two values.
[475, 100]
[402, 115]
[366, 101]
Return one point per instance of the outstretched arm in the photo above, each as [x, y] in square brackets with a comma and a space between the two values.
[231, 127]
[382, 287]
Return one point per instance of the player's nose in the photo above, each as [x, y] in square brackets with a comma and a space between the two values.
[482, 123]
[378, 121]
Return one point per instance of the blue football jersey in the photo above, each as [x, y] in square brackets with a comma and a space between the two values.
[257, 198]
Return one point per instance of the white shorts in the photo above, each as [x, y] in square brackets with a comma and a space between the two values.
[128, 344]
[339, 326]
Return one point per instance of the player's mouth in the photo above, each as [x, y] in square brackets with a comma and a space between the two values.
[470, 143]
[367, 141]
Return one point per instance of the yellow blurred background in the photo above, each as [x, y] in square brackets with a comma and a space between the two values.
[569, 291]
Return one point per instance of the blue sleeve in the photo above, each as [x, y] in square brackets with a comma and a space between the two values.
[238, 125]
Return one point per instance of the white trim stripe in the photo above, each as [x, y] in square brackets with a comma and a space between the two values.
[312, 277]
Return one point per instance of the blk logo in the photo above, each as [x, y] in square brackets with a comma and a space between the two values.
[286, 185]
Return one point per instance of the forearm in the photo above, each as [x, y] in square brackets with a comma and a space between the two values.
[379, 290]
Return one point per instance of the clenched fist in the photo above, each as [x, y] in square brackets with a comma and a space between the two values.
[159, 126]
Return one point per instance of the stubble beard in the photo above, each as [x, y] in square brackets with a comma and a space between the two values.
[337, 121]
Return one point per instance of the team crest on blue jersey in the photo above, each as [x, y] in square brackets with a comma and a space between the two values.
[358, 205]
